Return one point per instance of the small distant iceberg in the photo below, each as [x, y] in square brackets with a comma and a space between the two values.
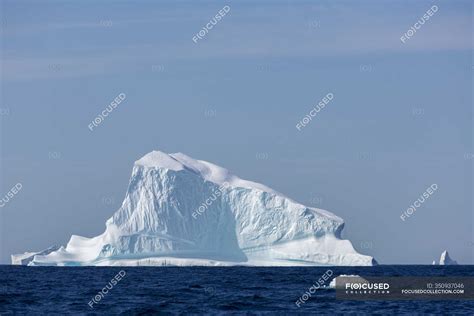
[332, 285]
[445, 260]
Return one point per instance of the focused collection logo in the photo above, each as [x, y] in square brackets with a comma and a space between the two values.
[367, 288]
[355, 287]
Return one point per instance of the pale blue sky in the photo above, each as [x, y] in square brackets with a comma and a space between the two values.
[401, 118]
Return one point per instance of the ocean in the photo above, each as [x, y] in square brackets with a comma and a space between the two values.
[204, 290]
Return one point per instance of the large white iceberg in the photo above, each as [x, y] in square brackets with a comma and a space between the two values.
[182, 211]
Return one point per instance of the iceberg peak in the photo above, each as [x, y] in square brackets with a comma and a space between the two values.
[208, 171]
[158, 159]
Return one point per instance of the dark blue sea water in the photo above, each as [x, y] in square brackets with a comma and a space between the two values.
[203, 290]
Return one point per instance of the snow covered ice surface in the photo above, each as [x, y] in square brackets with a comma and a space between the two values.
[182, 211]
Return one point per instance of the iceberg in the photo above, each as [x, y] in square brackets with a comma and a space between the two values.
[446, 260]
[27, 257]
[357, 277]
[182, 211]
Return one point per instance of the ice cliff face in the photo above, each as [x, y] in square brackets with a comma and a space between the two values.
[190, 212]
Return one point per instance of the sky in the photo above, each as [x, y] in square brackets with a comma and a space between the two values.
[400, 121]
